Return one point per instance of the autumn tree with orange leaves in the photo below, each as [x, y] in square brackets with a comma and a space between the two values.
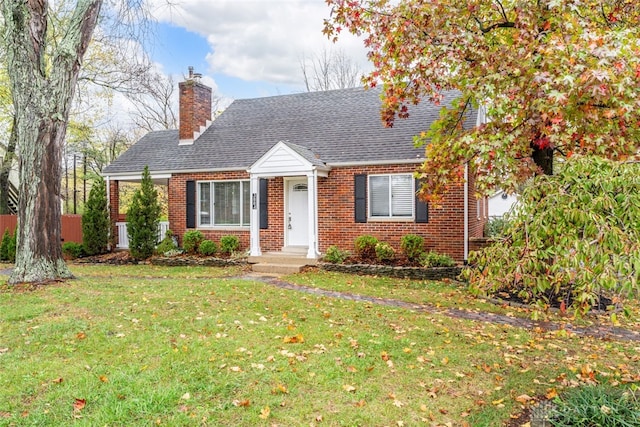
[554, 77]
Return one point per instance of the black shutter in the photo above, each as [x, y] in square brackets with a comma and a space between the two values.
[422, 208]
[360, 196]
[191, 204]
[264, 204]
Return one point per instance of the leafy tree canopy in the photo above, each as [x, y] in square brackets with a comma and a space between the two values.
[552, 74]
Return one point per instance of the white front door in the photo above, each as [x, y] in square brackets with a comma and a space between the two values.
[297, 213]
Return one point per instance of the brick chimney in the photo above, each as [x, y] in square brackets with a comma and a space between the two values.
[195, 106]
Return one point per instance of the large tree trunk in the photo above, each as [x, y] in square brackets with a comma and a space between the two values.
[39, 252]
[42, 88]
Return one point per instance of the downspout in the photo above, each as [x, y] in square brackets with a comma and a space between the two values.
[466, 213]
[480, 120]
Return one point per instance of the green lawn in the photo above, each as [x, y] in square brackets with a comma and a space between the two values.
[143, 345]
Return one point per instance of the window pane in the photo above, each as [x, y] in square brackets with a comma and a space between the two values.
[205, 203]
[402, 195]
[379, 195]
[226, 198]
[246, 204]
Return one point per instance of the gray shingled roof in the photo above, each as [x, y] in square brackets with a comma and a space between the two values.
[337, 127]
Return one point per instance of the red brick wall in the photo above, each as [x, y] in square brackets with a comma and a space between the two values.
[272, 239]
[443, 233]
[195, 107]
[477, 218]
[178, 206]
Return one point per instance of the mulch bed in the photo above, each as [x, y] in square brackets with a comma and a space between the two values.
[114, 258]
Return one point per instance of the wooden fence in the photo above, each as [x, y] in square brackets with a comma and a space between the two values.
[71, 226]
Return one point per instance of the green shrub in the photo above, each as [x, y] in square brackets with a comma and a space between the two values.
[11, 251]
[574, 238]
[207, 248]
[495, 227]
[167, 244]
[384, 251]
[434, 259]
[365, 246]
[229, 244]
[412, 246]
[335, 255]
[95, 220]
[72, 249]
[596, 405]
[143, 219]
[4, 246]
[191, 240]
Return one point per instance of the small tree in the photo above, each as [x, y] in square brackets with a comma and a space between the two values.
[95, 220]
[143, 219]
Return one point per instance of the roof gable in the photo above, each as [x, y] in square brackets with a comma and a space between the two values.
[287, 159]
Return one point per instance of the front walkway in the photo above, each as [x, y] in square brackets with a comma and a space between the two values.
[601, 331]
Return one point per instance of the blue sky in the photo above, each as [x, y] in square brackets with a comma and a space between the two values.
[177, 48]
[244, 48]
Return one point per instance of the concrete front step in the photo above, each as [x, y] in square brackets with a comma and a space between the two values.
[276, 268]
[286, 260]
[280, 262]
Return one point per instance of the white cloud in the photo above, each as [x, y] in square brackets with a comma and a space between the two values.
[258, 40]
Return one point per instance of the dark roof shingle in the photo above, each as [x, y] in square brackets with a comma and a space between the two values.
[339, 127]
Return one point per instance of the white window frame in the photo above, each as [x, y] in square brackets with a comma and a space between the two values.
[212, 184]
[391, 216]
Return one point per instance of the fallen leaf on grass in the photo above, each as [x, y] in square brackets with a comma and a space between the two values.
[280, 389]
[57, 380]
[186, 396]
[81, 335]
[348, 388]
[4, 350]
[294, 339]
[265, 412]
[524, 399]
[104, 379]
[360, 403]
[79, 404]
[242, 403]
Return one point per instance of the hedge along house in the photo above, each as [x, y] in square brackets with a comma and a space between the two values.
[299, 173]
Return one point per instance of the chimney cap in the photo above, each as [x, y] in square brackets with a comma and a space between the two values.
[193, 75]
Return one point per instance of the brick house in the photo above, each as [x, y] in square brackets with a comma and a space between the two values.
[299, 172]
